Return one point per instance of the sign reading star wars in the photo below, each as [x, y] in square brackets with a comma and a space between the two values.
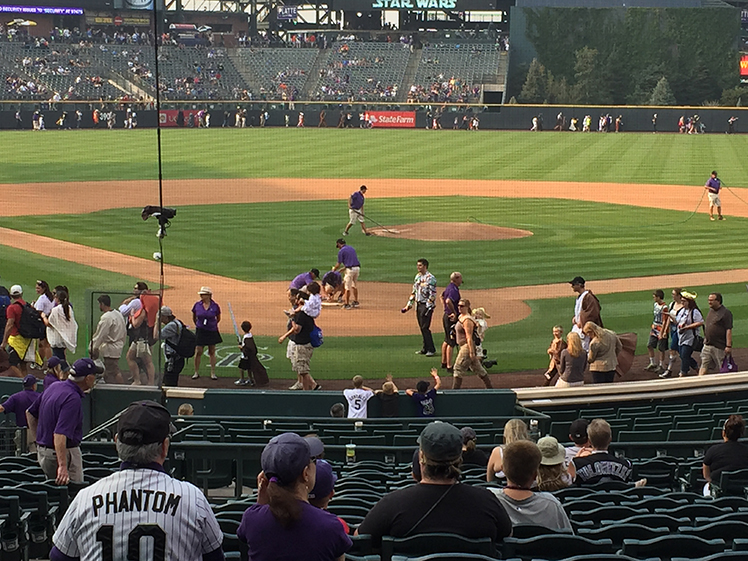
[414, 5]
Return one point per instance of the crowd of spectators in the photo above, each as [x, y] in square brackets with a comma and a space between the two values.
[442, 90]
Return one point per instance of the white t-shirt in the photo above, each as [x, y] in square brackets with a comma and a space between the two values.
[358, 400]
[313, 306]
[44, 304]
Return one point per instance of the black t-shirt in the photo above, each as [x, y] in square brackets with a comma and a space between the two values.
[728, 456]
[390, 406]
[475, 457]
[307, 324]
[601, 466]
[468, 511]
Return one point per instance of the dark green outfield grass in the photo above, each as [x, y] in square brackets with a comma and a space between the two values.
[248, 242]
[280, 152]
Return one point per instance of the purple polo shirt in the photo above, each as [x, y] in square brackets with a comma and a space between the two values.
[300, 281]
[59, 411]
[333, 278]
[347, 256]
[357, 200]
[453, 293]
[206, 319]
[714, 184]
[50, 379]
[19, 402]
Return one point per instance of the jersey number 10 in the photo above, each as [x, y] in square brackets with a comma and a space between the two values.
[105, 535]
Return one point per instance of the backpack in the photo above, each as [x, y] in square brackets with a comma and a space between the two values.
[31, 325]
[476, 336]
[316, 337]
[186, 343]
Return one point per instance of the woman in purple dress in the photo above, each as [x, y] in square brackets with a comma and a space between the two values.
[206, 314]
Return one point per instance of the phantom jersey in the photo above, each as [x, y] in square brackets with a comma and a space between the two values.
[139, 514]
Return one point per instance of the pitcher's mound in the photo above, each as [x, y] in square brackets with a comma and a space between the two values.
[449, 231]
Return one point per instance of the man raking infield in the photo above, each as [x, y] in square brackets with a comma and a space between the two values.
[713, 185]
[356, 210]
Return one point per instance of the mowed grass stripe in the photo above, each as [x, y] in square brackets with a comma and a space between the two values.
[279, 152]
[275, 241]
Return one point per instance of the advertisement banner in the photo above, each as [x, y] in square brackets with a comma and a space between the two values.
[744, 65]
[414, 5]
[288, 13]
[392, 119]
[171, 118]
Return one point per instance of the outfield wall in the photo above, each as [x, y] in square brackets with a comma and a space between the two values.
[505, 117]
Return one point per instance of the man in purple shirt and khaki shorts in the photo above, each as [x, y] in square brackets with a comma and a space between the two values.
[348, 260]
[713, 185]
[56, 423]
[356, 210]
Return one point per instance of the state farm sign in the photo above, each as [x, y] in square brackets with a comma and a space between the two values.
[393, 119]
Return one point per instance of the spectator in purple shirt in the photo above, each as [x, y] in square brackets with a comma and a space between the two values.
[713, 185]
[348, 260]
[54, 372]
[450, 297]
[19, 402]
[283, 525]
[207, 315]
[56, 423]
[356, 210]
[301, 280]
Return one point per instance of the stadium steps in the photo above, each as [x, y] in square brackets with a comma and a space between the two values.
[410, 75]
[313, 77]
[241, 67]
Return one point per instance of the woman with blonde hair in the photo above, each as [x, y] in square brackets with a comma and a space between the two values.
[514, 429]
[572, 363]
[603, 354]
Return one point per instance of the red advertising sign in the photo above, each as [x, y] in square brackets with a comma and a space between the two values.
[117, 20]
[169, 117]
[393, 119]
[744, 65]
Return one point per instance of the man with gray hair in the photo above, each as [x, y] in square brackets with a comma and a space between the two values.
[450, 297]
[438, 503]
[56, 423]
[109, 519]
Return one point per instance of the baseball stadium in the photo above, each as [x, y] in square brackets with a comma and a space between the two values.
[222, 157]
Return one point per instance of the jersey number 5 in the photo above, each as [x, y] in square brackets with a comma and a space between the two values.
[105, 535]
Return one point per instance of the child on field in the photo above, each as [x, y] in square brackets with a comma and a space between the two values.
[424, 397]
[358, 398]
[249, 364]
[480, 315]
[313, 306]
[554, 352]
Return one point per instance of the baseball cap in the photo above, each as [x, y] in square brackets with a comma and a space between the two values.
[577, 280]
[16, 290]
[166, 312]
[441, 442]
[84, 367]
[53, 361]
[340, 241]
[578, 429]
[689, 294]
[553, 453]
[324, 482]
[144, 422]
[29, 381]
[468, 434]
[285, 457]
[316, 446]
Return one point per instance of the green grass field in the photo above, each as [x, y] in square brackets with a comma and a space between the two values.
[277, 152]
[248, 242]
